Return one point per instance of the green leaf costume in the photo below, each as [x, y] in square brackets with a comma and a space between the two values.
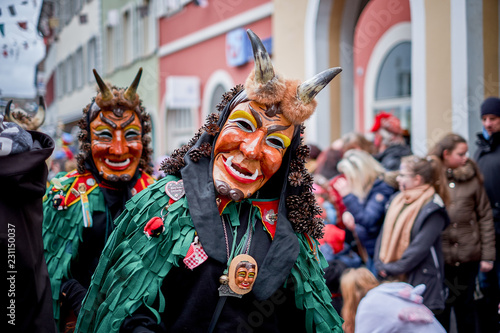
[132, 267]
[63, 228]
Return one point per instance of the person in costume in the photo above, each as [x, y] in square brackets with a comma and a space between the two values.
[80, 206]
[23, 175]
[239, 191]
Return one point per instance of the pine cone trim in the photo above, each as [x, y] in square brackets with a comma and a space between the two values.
[295, 178]
[206, 149]
[303, 153]
[211, 126]
[228, 96]
[195, 155]
[293, 202]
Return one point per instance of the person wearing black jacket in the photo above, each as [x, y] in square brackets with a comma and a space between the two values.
[488, 159]
[23, 175]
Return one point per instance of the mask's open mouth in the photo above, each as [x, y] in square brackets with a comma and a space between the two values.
[240, 174]
[117, 165]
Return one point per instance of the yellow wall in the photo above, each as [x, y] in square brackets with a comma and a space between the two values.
[438, 70]
[288, 37]
[490, 47]
[335, 27]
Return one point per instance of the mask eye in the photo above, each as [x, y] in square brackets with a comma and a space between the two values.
[244, 124]
[104, 134]
[132, 134]
[275, 142]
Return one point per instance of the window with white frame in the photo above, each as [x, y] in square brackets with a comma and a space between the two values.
[393, 85]
[126, 38]
[60, 78]
[216, 98]
[179, 128]
[145, 34]
[78, 68]
[91, 58]
[136, 36]
[68, 88]
[118, 45]
[110, 49]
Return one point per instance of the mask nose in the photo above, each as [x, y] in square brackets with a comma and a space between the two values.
[118, 145]
[252, 146]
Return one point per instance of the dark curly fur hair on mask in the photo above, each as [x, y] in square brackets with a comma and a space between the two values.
[84, 138]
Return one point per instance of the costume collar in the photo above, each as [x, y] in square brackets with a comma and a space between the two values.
[267, 209]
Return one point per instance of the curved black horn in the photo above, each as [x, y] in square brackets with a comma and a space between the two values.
[263, 66]
[103, 87]
[7, 110]
[130, 93]
[39, 117]
[310, 88]
[10, 117]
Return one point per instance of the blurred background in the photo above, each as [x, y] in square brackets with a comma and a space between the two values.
[430, 63]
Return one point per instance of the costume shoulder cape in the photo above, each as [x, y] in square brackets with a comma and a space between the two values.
[132, 267]
[62, 229]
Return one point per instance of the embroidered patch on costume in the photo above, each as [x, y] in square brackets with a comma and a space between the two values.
[175, 189]
[195, 255]
[379, 197]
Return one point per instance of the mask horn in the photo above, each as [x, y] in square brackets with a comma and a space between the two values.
[106, 94]
[39, 117]
[10, 117]
[130, 93]
[264, 71]
[7, 111]
[27, 122]
[310, 88]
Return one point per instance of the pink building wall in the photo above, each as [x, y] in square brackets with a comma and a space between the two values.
[377, 17]
[208, 56]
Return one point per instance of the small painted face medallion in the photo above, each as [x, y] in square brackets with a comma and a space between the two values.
[116, 144]
[242, 274]
[245, 276]
[250, 148]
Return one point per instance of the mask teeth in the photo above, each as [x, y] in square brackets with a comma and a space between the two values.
[230, 164]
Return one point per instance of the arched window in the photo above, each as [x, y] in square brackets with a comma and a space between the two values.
[216, 98]
[393, 84]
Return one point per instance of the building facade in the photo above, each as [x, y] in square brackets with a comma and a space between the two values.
[431, 63]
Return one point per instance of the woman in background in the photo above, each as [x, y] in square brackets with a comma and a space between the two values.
[364, 194]
[409, 247]
[469, 240]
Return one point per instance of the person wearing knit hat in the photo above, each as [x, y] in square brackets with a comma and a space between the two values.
[487, 157]
[389, 141]
[238, 191]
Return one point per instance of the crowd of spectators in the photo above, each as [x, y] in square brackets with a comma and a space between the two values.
[417, 230]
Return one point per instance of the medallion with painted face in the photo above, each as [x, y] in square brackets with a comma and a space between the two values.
[116, 144]
[249, 149]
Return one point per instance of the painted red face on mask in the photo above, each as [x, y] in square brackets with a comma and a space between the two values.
[250, 147]
[116, 144]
